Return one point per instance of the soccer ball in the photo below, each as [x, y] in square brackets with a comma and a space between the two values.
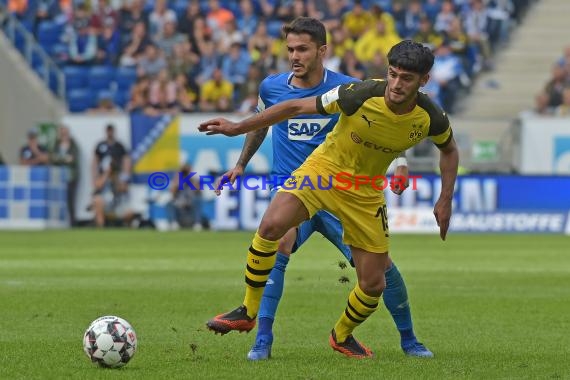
[110, 342]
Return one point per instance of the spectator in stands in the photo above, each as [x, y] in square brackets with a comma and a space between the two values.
[235, 67]
[187, 20]
[351, 66]
[169, 38]
[109, 44]
[2, 162]
[216, 94]
[186, 205]
[160, 16]
[183, 60]
[444, 18]
[426, 35]
[458, 43]
[377, 39]
[18, 8]
[139, 96]
[378, 67]
[218, 16]
[135, 47]
[248, 20]
[209, 61]
[447, 71]
[83, 46]
[259, 41]
[380, 14]
[105, 15]
[499, 22]
[253, 81]
[110, 175]
[228, 36]
[413, 16]
[332, 12]
[34, 153]
[476, 24]
[200, 36]
[564, 108]
[431, 8]
[151, 62]
[163, 89]
[129, 16]
[46, 10]
[357, 20]
[66, 153]
[186, 95]
[340, 42]
[433, 90]
[556, 85]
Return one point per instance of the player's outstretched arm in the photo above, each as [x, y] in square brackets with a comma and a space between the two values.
[264, 119]
[448, 163]
[253, 141]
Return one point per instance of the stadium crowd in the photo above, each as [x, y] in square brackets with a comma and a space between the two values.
[168, 56]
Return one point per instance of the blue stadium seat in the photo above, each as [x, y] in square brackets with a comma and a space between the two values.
[75, 77]
[49, 33]
[80, 100]
[101, 77]
[180, 7]
[125, 77]
[122, 98]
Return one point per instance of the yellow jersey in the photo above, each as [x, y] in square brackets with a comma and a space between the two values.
[369, 136]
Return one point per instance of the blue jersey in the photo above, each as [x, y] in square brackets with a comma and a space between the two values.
[295, 139]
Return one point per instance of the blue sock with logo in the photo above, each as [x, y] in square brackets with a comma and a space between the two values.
[271, 297]
[396, 300]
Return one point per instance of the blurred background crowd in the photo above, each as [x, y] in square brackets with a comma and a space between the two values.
[169, 56]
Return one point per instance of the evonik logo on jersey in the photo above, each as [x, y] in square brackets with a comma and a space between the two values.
[305, 129]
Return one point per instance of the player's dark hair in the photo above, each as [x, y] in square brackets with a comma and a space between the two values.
[310, 26]
[411, 56]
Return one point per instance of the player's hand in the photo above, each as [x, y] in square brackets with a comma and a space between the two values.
[228, 177]
[442, 213]
[400, 180]
[219, 126]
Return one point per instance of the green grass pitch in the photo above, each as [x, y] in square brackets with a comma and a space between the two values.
[488, 306]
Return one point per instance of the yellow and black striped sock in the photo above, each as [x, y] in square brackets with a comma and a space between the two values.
[260, 261]
[360, 306]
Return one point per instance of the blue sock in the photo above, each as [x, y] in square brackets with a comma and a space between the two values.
[271, 297]
[396, 301]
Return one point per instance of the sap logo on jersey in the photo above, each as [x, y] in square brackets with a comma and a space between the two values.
[305, 129]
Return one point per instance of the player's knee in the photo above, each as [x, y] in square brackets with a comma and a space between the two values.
[271, 230]
[372, 286]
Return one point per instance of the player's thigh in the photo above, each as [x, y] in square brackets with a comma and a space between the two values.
[284, 212]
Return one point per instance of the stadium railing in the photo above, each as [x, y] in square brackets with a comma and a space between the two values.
[33, 53]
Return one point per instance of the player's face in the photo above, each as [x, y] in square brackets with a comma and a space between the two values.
[403, 85]
[304, 55]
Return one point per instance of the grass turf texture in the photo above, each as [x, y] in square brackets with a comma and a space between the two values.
[488, 306]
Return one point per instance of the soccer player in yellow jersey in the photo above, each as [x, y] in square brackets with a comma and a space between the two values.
[378, 120]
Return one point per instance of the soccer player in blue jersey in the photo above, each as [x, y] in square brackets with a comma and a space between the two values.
[293, 141]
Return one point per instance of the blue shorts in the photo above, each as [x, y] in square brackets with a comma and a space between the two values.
[327, 224]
